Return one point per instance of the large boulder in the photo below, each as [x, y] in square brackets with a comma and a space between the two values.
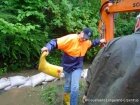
[114, 76]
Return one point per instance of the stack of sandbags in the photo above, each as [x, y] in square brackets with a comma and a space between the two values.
[16, 81]
[21, 81]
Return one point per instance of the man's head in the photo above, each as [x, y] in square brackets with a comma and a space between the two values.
[137, 26]
[85, 34]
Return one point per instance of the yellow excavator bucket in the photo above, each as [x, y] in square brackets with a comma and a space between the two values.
[48, 68]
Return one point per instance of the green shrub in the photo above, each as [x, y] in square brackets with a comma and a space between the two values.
[22, 33]
[125, 24]
[19, 46]
[26, 25]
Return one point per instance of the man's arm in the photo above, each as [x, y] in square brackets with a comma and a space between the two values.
[50, 46]
[96, 42]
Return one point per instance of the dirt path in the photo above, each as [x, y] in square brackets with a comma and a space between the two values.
[22, 96]
[26, 95]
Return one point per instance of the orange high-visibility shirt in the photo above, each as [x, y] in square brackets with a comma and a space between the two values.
[72, 46]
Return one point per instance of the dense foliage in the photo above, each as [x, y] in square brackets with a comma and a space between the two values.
[125, 23]
[26, 25]
[22, 33]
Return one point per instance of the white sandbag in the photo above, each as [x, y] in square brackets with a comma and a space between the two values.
[3, 79]
[27, 83]
[4, 83]
[17, 80]
[44, 83]
[49, 78]
[84, 73]
[38, 79]
[10, 87]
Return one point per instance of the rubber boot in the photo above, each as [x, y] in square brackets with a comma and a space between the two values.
[66, 99]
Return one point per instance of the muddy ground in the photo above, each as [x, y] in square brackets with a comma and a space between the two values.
[26, 95]
[22, 96]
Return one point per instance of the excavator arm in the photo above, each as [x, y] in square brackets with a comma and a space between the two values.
[107, 11]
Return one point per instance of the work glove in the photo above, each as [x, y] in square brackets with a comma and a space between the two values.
[102, 41]
[44, 49]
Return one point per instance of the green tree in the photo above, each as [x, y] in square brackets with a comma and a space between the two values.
[26, 25]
